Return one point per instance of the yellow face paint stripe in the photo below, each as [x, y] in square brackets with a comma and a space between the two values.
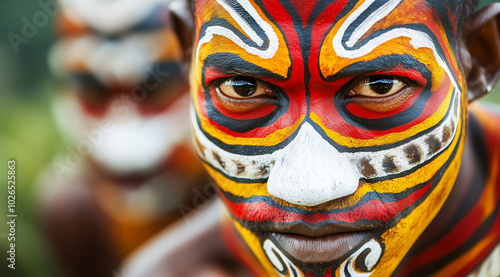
[272, 139]
[237, 189]
[453, 268]
[254, 243]
[414, 225]
[278, 64]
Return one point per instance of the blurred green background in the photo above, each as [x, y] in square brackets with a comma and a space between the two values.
[28, 134]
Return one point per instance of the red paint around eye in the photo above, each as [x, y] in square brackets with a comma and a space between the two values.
[93, 110]
[359, 111]
[291, 116]
[254, 114]
[332, 119]
[410, 74]
[213, 74]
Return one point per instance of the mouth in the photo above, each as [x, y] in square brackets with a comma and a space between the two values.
[322, 249]
[319, 244]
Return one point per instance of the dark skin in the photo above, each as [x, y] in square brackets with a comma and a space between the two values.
[480, 61]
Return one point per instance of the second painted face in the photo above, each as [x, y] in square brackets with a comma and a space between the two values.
[333, 129]
[120, 64]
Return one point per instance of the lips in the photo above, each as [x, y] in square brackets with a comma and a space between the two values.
[320, 249]
[318, 243]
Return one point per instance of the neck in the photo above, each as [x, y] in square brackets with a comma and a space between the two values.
[459, 236]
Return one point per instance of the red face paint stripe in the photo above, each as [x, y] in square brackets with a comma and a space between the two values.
[258, 113]
[372, 210]
[449, 56]
[212, 74]
[359, 111]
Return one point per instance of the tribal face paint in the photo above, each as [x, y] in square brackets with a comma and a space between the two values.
[333, 129]
[121, 65]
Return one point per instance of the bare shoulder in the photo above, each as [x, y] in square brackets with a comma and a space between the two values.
[192, 247]
[73, 225]
[63, 200]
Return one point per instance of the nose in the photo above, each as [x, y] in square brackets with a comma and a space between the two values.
[309, 171]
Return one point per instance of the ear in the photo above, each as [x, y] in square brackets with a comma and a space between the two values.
[481, 36]
[183, 26]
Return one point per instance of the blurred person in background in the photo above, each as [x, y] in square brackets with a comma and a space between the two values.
[129, 169]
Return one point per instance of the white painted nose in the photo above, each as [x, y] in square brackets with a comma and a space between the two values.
[309, 171]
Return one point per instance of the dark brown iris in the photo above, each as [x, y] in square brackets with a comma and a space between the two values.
[243, 85]
[381, 84]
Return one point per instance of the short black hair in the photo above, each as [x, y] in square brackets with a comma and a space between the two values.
[464, 8]
[465, 11]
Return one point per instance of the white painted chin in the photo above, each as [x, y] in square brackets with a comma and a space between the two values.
[124, 143]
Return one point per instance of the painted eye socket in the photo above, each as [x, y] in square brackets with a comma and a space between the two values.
[242, 94]
[380, 93]
[92, 96]
[377, 86]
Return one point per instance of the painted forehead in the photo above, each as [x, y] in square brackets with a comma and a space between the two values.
[261, 32]
[313, 52]
[115, 42]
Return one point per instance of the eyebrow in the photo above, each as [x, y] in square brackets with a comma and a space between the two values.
[228, 63]
[379, 64]
[86, 78]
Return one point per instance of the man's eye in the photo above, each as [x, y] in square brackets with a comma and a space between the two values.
[243, 87]
[377, 86]
[242, 94]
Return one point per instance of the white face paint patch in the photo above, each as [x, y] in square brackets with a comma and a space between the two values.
[282, 264]
[111, 16]
[309, 171]
[372, 253]
[131, 143]
[124, 61]
[271, 36]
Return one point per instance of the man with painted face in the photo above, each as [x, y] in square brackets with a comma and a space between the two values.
[341, 137]
[124, 104]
